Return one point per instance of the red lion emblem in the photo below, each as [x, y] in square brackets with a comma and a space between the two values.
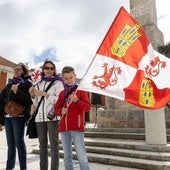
[155, 66]
[109, 77]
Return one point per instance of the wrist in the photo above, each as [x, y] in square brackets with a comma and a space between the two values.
[77, 101]
[45, 94]
[32, 96]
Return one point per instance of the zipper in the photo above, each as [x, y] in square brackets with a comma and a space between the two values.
[43, 109]
[66, 122]
[79, 121]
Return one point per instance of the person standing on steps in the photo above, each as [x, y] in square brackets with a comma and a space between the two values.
[46, 120]
[71, 107]
[16, 90]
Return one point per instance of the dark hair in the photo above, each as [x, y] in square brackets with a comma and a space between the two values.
[67, 69]
[24, 69]
[45, 62]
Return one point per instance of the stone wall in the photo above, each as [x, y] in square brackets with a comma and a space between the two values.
[125, 118]
[121, 118]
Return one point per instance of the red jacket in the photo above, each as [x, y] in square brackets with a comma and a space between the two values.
[74, 119]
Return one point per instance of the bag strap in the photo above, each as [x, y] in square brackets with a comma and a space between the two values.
[42, 98]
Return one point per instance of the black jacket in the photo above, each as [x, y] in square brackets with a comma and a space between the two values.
[22, 97]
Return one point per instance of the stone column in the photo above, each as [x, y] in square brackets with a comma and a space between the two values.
[145, 13]
[155, 128]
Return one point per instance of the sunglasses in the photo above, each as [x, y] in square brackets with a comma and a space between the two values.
[48, 68]
[17, 69]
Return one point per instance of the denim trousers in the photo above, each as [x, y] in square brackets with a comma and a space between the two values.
[15, 130]
[78, 140]
[44, 129]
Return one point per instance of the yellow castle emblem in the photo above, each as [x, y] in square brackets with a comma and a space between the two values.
[125, 40]
[146, 97]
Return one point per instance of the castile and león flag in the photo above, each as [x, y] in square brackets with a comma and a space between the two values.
[127, 67]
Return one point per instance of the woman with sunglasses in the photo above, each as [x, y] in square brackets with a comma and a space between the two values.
[46, 121]
[16, 90]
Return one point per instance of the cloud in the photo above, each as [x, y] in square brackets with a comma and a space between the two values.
[163, 17]
[68, 32]
[47, 54]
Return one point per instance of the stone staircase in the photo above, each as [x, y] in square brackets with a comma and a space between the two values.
[123, 147]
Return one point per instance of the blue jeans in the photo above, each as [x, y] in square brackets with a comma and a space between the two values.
[78, 140]
[15, 128]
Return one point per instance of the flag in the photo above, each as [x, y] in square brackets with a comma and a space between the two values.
[127, 68]
[36, 75]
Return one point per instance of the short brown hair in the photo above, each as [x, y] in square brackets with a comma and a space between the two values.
[67, 69]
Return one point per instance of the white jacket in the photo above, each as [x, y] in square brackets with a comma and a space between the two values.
[48, 103]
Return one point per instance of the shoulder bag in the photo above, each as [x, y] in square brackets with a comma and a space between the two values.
[31, 125]
[12, 108]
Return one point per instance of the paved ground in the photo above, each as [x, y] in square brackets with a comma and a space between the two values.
[33, 160]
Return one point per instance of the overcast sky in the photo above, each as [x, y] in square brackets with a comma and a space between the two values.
[68, 32]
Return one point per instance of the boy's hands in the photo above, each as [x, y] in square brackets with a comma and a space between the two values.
[73, 97]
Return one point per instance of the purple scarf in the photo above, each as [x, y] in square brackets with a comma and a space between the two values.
[17, 80]
[52, 78]
[69, 90]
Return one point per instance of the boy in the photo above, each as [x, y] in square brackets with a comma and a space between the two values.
[71, 106]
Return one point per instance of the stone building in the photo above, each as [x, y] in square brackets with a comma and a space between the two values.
[6, 71]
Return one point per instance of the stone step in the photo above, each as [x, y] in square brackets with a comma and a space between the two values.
[123, 147]
[115, 135]
[127, 149]
[127, 153]
[122, 161]
[122, 133]
[123, 130]
[122, 144]
[126, 162]
[139, 145]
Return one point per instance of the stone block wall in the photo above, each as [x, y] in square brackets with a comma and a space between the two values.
[120, 118]
[125, 118]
